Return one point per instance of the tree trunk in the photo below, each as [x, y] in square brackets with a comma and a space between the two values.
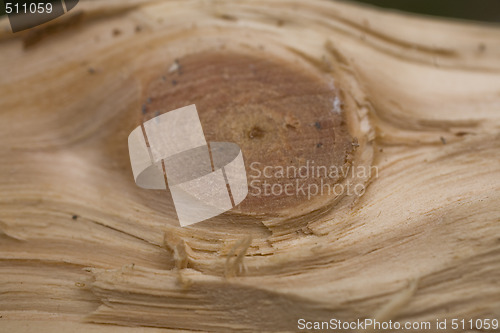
[408, 105]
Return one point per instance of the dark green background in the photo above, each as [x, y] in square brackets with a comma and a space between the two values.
[477, 10]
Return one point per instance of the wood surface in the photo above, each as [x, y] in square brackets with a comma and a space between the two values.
[83, 249]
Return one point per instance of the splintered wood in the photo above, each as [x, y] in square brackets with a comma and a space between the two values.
[413, 100]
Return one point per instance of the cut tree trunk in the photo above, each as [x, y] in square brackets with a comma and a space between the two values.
[414, 100]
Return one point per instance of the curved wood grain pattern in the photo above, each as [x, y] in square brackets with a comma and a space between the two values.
[81, 243]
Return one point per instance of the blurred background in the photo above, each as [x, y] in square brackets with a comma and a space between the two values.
[478, 10]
